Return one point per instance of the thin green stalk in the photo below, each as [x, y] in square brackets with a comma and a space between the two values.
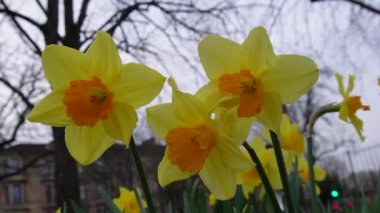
[282, 169]
[313, 119]
[263, 176]
[310, 160]
[140, 170]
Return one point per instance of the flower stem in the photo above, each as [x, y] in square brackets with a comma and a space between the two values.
[310, 160]
[282, 169]
[140, 170]
[310, 154]
[263, 176]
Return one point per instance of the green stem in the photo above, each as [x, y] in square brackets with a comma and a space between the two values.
[314, 201]
[282, 169]
[140, 170]
[263, 176]
[313, 119]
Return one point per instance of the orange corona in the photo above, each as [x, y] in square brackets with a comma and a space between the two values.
[354, 104]
[247, 87]
[88, 101]
[188, 147]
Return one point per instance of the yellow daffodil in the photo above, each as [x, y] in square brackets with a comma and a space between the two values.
[250, 179]
[94, 96]
[127, 202]
[290, 136]
[199, 143]
[350, 105]
[303, 172]
[252, 77]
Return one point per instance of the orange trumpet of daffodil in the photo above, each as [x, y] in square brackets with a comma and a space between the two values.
[252, 77]
[199, 143]
[350, 105]
[94, 96]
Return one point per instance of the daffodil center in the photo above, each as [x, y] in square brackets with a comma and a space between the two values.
[247, 87]
[354, 104]
[88, 101]
[188, 147]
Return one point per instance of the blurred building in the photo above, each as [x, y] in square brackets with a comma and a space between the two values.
[33, 189]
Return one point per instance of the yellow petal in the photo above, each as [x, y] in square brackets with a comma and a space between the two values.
[358, 124]
[62, 65]
[351, 80]
[51, 110]
[234, 129]
[219, 55]
[275, 179]
[188, 108]
[160, 119]
[271, 111]
[102, 58]
[257, 51]
[258, 145]
[291, 75]
[233, 157]
[138, 85]
[339, 79]
[320, 173]
[121, 122]
[286, 125]
[343, 111]
[87, 144]
[250, 179]
[168, 173]
[220, 180]
[209, 94]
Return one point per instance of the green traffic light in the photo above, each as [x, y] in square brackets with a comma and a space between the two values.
[334, 193]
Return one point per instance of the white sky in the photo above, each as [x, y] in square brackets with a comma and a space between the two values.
[335, 34]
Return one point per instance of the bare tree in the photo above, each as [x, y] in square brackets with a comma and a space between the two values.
[133, 23]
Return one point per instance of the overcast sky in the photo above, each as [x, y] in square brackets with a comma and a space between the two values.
[337, 35]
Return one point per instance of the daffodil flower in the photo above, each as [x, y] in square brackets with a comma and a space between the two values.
[94, 96]
[350, 105]
[303, 172]
[199, 143]
[291, 138]
[127, 201]
[252, 77]
[250, 179]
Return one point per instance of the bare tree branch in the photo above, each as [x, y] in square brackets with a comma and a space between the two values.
[82, 13]
[27, 165]
[41, 6]
[361, 4]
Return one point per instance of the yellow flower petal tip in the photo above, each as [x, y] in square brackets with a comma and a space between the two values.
[127, 201]
[350, 104]
[251, 76]
[94, 96]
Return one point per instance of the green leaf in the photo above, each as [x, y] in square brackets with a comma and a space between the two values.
[108, 200]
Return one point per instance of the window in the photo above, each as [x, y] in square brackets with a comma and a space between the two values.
[49, 192]
[14, 194]
[48, 168]
[82, 192]
[12, 164]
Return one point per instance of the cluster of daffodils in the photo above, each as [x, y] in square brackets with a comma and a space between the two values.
[292, 145]
[95, 97]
